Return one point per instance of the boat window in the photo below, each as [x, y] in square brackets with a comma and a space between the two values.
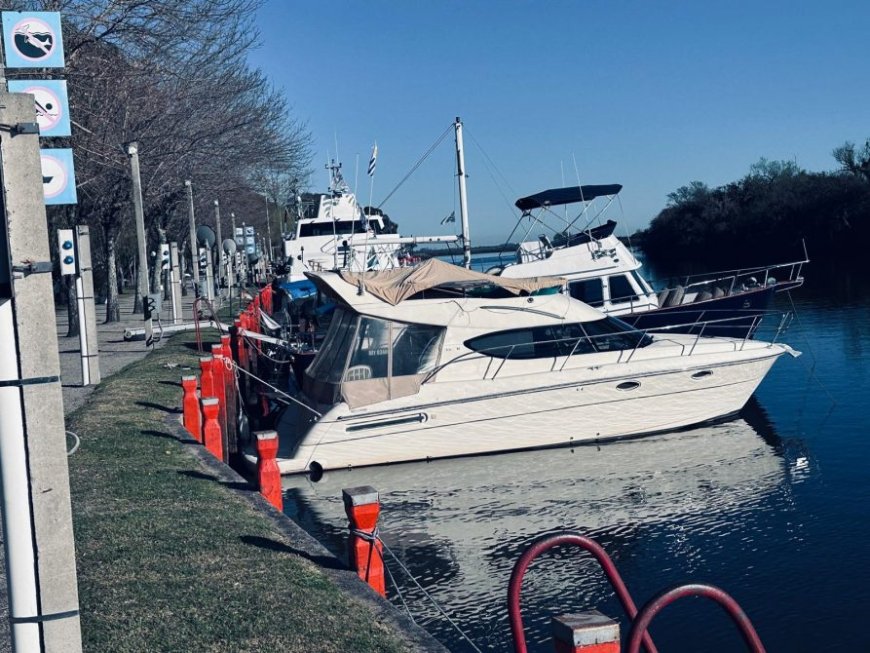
[415, 348]
[372, 347]
[588, 291]
[533, 342]
[641, 282]
[612, 334]
[336, 227]
[328, 365]
[621, 290]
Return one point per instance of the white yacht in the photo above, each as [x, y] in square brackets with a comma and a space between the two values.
[333, 231]
[604, 273]
[436, 361]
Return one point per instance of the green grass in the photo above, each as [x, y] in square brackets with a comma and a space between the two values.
[170, 559]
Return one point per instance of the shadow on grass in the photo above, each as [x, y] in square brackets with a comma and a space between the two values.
[163, 434]
[327, 562]
[232, 485]
[151, 404]
[176, 384]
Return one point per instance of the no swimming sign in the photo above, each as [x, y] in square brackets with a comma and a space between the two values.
[32, 39]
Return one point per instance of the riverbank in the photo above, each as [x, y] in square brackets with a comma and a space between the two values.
[176, 552]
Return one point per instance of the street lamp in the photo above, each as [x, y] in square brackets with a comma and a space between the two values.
[132, 150]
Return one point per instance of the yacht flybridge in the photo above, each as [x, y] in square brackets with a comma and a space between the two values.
[436, 361]
[603, 272]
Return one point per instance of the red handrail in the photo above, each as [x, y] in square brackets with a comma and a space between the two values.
[545, 544]
[655, 605]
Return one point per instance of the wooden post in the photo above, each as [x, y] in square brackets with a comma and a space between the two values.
[362, 506]
[268, 474]
[211, 429]
[586, 632]
[206, 386]
[190, 403]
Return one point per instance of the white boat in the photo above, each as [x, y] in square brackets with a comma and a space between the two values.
[333, 231]
[436, 361]
[604, 273]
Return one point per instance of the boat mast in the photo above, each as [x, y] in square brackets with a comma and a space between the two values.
[463, 203]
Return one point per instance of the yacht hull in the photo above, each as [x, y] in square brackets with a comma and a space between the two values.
[556, 408]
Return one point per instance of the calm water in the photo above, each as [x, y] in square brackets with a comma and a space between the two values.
[774, 507]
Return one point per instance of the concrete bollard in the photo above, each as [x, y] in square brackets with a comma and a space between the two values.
[268, 474]
[219, 371]
[230, 395]
[242, 359]
[586, 632]
[190, 404]
[206, 380]
[366, 553]
[211, 428]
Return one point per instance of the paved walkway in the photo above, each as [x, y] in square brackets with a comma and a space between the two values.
[115, 354]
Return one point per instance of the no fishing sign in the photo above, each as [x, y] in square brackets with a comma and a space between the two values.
[32, 39]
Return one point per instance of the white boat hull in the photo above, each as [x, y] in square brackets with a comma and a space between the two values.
[523, 412]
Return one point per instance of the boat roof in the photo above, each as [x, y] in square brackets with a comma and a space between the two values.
[569, 195]
[396, 285]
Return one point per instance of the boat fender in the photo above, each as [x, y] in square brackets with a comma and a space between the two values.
[316, 470]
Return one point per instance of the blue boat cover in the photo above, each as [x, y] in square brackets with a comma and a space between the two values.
[299, 289]
[557, 196]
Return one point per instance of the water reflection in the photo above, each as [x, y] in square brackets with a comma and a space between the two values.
[459, 525]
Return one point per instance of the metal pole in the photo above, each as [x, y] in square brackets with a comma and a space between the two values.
[220, 242]
[463, 202]
[139, 215]
[194, 254]
[37, 519]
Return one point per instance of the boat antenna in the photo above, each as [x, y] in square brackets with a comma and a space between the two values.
[463, 202]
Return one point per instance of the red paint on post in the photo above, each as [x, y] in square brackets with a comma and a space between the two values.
[587, 632]
[268, 474]
[211, 429]
[240, 342]
[366, 553]
[229, 389]
[219, 371]
[206, 383]
[190, 404]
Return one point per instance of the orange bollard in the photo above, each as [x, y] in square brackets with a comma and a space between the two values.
[206, 381]
[211, 428]
[366, 553]
[240, 342]
[190, 404]
[586, 632]
[220, 385]
[229, 392]
[268, 474]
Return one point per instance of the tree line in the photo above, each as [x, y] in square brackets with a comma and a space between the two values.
[173, 76]
[764, 217]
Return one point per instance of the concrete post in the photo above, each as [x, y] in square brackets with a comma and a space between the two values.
[211, 428]
[175, 275]
[220, 245]
[209, 276]
[87, 310]
[362, 506]
[37, 520]
[139, 216]
[194, 254]
[268, 473]
[587, 632]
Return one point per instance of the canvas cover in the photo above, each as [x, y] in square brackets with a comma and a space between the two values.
[396, 285]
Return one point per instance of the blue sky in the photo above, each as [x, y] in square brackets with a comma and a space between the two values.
[651, 95]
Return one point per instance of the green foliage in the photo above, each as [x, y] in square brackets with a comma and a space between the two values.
[763, 217]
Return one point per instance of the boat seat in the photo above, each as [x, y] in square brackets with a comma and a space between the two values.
[704, 295]
[358, 373]
[718, 292]
[663, 296]
[676, 296]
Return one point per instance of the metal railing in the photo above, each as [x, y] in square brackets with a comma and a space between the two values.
[568, 347]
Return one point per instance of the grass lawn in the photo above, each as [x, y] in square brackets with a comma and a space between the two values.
[171, 558]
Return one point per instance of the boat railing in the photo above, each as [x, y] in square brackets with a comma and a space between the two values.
[566, 348]
[740, 279]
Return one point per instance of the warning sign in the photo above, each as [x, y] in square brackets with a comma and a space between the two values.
[32, 39]
[58, 176]
[52, 104]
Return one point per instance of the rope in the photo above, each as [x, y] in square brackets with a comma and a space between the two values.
[269, 385]
[76, 445]
[417, 165]
[811, 369]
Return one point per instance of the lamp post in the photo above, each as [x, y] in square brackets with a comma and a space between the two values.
[194, 253]
[220, 242]
[132, 149]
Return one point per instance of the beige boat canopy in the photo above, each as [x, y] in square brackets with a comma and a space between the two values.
[394, 286]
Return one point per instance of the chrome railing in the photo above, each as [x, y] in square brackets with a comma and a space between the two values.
[566, 348]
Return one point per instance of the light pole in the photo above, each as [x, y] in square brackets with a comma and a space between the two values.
[194, 253]
[132, 149]
[220, 242]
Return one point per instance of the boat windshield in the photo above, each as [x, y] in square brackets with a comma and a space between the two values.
[333, 227]
[364, 359]
[608, 334]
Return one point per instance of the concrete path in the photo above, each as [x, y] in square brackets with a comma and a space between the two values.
[115, 354]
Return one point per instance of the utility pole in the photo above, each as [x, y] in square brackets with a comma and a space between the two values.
[37, 519]
[87, 313]
[194, 253]
[132, 149]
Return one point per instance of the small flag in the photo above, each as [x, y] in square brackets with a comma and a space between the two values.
[449, 218]
[374, 160]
